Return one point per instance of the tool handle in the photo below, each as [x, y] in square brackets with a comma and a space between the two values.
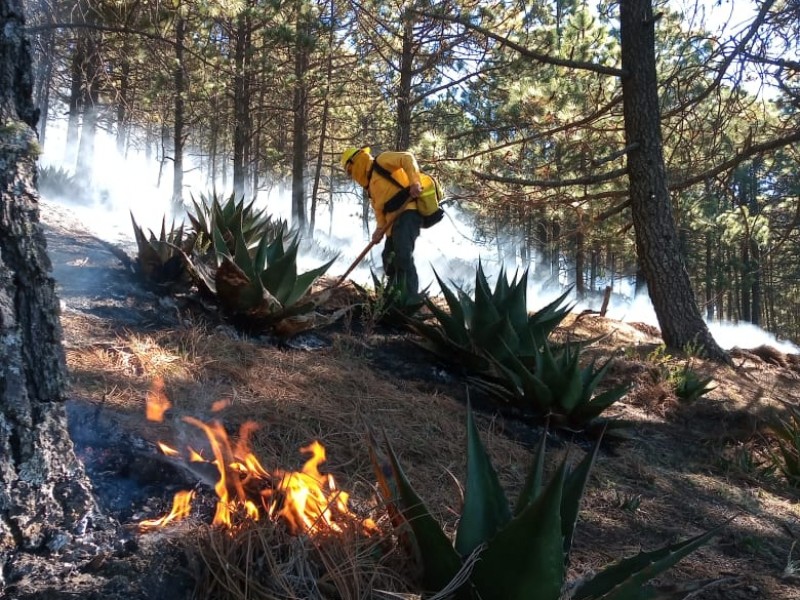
[371, 244]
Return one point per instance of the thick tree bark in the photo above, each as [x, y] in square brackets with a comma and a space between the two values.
[44, 493]
[657, 243]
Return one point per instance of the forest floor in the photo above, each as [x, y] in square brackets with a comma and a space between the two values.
[682, 467]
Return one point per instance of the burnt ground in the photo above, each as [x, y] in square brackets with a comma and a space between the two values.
[681, 468]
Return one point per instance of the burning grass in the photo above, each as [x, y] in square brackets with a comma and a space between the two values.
[644, 489]
[306, 501]
[262, 561]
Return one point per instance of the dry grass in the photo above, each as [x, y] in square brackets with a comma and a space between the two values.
[677, 474]
[261, 561]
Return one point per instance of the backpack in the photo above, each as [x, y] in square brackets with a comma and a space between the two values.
[427, 203]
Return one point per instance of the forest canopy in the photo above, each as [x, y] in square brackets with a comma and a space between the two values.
[517, 107]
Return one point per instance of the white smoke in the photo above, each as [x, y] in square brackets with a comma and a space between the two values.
[137, 184]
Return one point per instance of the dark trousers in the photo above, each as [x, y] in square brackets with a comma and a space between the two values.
[398, 252]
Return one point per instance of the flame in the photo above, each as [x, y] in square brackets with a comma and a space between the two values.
[307, 501]
[157, 401]
[311, 498]
[220, 405]
[181, 505]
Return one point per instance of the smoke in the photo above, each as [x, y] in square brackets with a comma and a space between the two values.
[727, 334]
[138, 184]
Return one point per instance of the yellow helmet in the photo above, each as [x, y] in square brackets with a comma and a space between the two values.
[349, 154]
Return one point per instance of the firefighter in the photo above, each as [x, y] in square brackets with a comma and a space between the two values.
[393, 206]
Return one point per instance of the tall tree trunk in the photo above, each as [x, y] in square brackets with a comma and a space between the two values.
[580, 258]
[709, 277]
[123, 101]
[43, 490]
[179, 80]
[754, 267]
[241, 104]
[657, 242]
[403, 139]
[84, 170]
[75, 101]
[44, 75]
[745, 303]
[300, 131]
[323, 127]
[554, 244]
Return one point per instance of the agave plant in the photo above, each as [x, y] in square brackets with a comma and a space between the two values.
[211, 213]
[390, 305]
[519, 553]
[690, 386]
[160, 261]
[260, 286]
[495, 325]
[553, 385]
[59, 182]
[787, 432]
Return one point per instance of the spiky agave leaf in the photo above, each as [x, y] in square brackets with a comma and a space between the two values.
[495, 324]
[440, 561]
[240, 295]
[261, 283]
[486, 509]
[230, 214]
[453, 323]
[472, 328]
[160, 260]
[628, 578]
[534, 481]
[545, 320]
[524, 560]
[280, 277]
[574, 488]
[526, 556]
[558, 388]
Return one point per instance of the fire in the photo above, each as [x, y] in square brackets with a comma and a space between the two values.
[157, 402]
[181, 506]
[306, 501]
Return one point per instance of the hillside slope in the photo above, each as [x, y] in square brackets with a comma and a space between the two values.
[681, 468]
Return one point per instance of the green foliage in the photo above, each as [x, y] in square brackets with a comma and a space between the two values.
[476, 333]
[228, 215]
[508, 353]
[689, 385]
[553, 384]
[59, 182]
[260, 284]
[389, 305]
[160, 261]
[521, 552]
[787, 431]
[240, 257]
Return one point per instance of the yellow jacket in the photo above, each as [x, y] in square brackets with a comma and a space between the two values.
[404, 169]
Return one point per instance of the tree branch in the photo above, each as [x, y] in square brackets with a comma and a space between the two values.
[776, 62]
[746, 153]
[554, 183]
[97, 27]
[522, 50]
[571, 125]
[738, 49]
